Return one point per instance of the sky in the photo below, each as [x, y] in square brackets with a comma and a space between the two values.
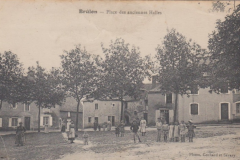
[41, 30]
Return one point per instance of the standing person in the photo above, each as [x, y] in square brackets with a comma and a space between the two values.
[134, 128]
[63, 129]
[191, 133]
[95, 125]
[176, 132]
[122, 129]
[159, 129]
[165, 130]
[20, 134]
[117, 131]
[109, 125]
[99, 127]
[143, 125]
[104, 126]
[85, 137]
[71, 134]
[182, 128]
[171, 136]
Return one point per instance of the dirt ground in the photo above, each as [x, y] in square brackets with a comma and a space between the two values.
[211, 142]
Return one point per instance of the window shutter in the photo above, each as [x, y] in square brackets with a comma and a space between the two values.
[41, 120]
[10, 122]
[19, 120]
[50, 121]
[0, 122]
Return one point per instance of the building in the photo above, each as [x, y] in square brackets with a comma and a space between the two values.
[10, 116]
[101, 111]
[200, 105]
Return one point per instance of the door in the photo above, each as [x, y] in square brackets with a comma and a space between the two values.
[224, 111]
[27, 123]
[127, 120]
[145, 116]
[96, 119]
[113, 120]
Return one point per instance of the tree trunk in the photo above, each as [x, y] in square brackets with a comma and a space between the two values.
[176, 108]
[39, 107]
[122, 115]
[76, 127]
[0, 104]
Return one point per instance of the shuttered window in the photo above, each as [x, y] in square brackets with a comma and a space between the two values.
[14, 122]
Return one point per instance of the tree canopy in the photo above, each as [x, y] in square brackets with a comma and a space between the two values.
[224, 49]
[179, 65]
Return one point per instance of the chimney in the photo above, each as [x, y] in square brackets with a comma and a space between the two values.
[154, 81]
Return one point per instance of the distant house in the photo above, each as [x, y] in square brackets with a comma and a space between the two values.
[200, 106]
[68, 112]
[10, 116]
[101, 111]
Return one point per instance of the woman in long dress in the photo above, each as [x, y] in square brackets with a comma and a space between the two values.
[143, 124]
[109, 125]
[71, 135]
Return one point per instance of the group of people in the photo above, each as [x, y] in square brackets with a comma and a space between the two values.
[174, 131]
[106, 125]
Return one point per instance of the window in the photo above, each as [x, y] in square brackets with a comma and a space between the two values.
[224, 88]
[96, 106]
[89, 119]
[69, 114]
[27, 107]
[169, 98]
[109, 118]
[126, 105]
[45, 120]
[194, 109]
[96, 119]
[194, 89]
[14, 122]
[0, 122]
[237, 107]
[113, 104]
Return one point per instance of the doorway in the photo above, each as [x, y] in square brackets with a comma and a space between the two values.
[27, 123]
[164, 115]
[127, 120]
[224, 111]
[145, 116]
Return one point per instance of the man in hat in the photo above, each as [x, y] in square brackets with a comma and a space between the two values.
[134, 127]
[20, 134]
[191, 133]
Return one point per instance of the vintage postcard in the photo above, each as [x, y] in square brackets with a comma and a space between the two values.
[101, 80]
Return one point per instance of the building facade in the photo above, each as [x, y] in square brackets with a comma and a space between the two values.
[11, 116]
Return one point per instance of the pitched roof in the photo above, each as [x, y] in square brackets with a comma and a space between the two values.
[71, 105]
[156, 89]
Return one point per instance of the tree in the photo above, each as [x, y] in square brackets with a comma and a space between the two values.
[80, 74]
[179, 65]
[11, 72]
[124, 71]
[46, 91]
[224, 52]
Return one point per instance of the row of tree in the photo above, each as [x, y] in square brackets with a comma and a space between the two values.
[179, 62]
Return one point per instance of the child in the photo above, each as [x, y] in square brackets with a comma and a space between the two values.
[182, 128]
[104, 126]
[117, 131]
[159, 129]
[143, 125]
[191, 133]
[122, 130]
[176, 132]
[134, 127]
[99, 127]
[85, 137]
[165, 130]
[171, 128]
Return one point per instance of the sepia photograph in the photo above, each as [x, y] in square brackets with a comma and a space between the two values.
[134, 80]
